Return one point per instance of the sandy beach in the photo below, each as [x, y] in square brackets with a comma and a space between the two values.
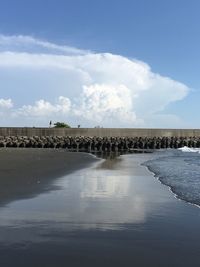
[27, 172]
[111, 213]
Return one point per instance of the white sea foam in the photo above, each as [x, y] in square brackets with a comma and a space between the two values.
[189, 149]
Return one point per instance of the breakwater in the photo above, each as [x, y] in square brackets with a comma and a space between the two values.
[84, 143]
[98, 139]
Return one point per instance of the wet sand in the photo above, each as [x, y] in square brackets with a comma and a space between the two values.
[28, 172]
[112, 214]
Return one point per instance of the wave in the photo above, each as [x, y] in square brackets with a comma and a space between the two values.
[189, 149]
[180, 171]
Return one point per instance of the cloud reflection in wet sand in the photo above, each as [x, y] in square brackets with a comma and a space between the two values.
[105, 197]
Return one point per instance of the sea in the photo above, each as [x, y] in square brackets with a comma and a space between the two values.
[180, 170]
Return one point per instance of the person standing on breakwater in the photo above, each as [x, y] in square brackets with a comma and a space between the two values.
[50, 123]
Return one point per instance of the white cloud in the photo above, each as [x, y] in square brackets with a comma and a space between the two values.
[101, 102]
[6, 103]
[105, 89]
[30, 44]
[43, 108]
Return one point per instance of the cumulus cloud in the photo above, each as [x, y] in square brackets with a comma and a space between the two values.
[6, 103]
[101, 102]
[90, 88]
[6, 106]
[43, 108]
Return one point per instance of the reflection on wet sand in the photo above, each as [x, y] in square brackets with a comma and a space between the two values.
[102, 197]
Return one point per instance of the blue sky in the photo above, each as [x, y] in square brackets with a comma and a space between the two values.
[165, 35]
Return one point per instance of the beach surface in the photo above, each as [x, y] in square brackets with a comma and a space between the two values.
[92, 212]
[25, 173]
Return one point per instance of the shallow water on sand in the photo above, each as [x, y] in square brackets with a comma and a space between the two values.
[114, 213]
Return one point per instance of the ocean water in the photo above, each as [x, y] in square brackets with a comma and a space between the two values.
[180, 170]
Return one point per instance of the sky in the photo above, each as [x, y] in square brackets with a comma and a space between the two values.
[130, 63]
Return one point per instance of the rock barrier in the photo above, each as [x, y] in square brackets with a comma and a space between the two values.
[100, 144]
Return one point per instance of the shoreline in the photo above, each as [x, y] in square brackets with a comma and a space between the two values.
[51, 164]
[26, 173]
[170, 187]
